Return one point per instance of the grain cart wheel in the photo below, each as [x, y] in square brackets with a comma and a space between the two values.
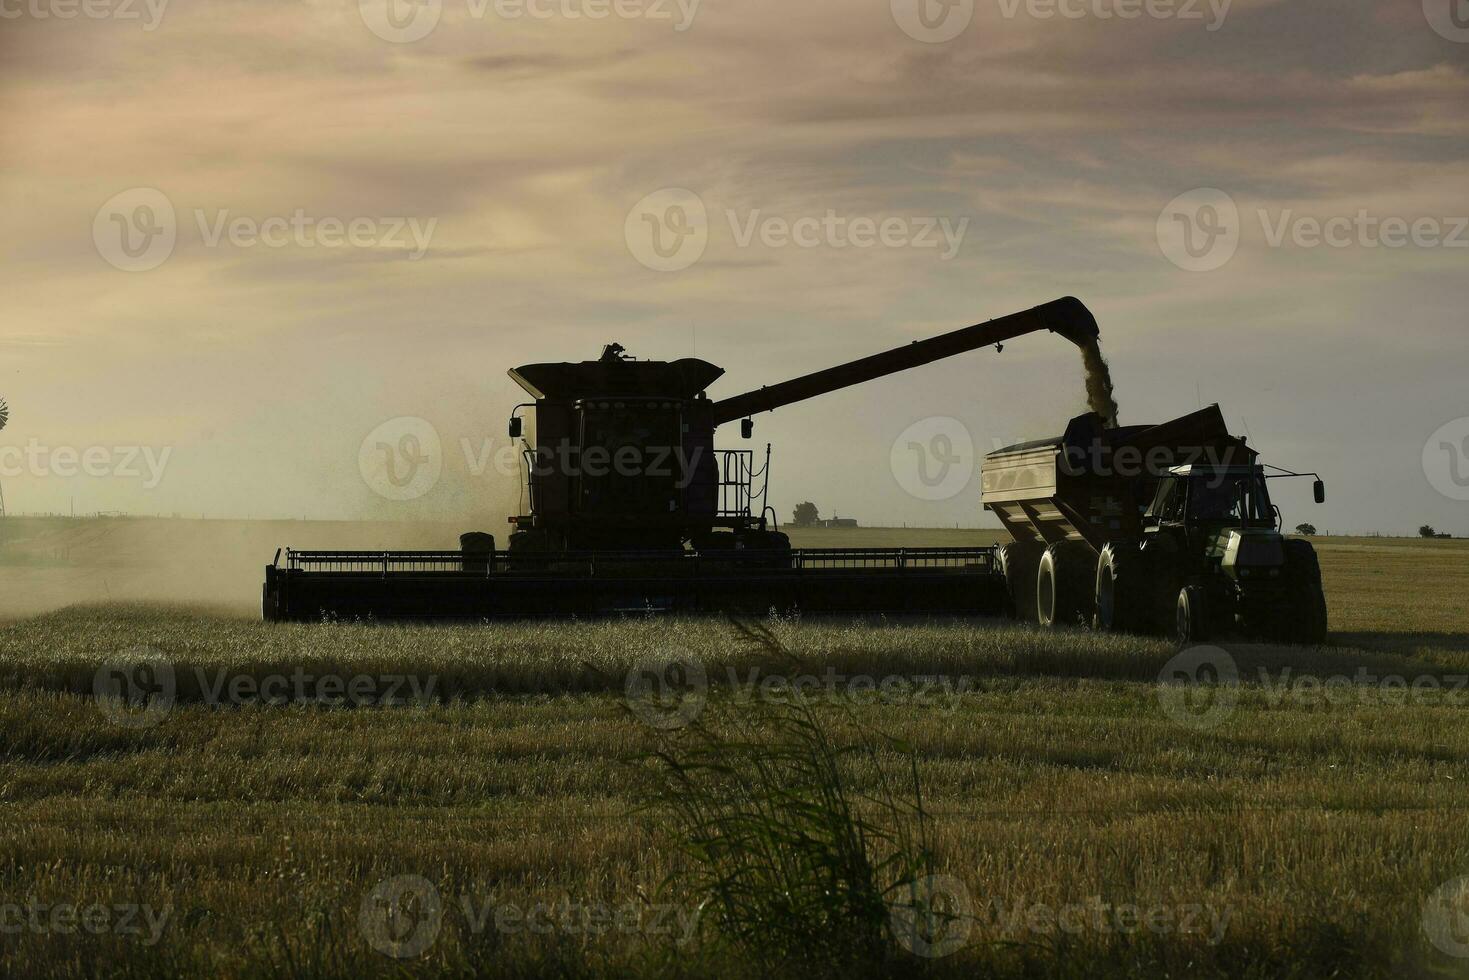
[1192, 624]
[1062, 587]
[1307, 618]
[1017, 562]
[1121, 592]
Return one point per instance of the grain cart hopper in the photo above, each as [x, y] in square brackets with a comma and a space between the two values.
[1163, 528]
[631, 507]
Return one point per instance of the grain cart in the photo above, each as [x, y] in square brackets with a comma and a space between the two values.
[632, 508]
[1163, 528]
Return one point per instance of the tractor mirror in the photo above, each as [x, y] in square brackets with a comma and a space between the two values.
[1319, 489]
[747, 428]
[515, 427]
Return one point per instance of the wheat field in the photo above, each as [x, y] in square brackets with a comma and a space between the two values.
[355, 800]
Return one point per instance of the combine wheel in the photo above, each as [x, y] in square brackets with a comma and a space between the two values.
[1017, 562]
[1192, 622]
[1062, 585]
[1121, 593]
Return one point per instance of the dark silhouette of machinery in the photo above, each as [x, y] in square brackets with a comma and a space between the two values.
[631, 507]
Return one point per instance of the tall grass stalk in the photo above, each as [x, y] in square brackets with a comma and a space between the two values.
[790, 861]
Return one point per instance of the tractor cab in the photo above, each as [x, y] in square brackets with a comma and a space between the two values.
[1201, 495]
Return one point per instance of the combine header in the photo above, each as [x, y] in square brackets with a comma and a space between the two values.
[632, 508]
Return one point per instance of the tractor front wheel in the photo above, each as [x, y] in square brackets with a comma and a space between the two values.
[1191, 621]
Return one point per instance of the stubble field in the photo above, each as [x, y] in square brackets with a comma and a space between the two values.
[492, 787]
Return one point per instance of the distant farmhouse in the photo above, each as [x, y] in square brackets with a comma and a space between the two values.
[839, 522]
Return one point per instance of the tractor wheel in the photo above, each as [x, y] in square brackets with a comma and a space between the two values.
[1307, 620]
[1017, 562]
[1120, 591]
[1192, 619]
[1062, 585]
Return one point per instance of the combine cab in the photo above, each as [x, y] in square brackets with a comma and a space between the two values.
[1165, 528]
[632, 508]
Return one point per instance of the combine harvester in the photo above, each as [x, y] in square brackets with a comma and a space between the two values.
[632, 509]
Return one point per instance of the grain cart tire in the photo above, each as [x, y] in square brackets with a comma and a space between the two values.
[1017, 563]
[1062, 587]
[1192, 616]
[1306, 623]
[1121, 592]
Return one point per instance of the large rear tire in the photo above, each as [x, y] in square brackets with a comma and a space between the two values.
[1120, 593]
[1307, 625]
[1062, 585]
[1017, 562]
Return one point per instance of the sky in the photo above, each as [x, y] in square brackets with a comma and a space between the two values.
[253, 249]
